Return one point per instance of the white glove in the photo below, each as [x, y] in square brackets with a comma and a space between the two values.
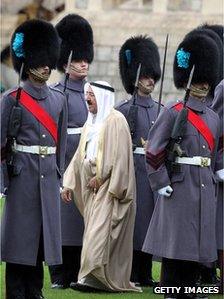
[165, 191]
[220, 175]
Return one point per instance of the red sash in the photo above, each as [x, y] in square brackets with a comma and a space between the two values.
[200, 125]
[39, 113]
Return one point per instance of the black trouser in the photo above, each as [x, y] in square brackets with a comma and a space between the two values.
[67, 272]
[23, 281]
[141, 267]
[179, 273]
[207, 275]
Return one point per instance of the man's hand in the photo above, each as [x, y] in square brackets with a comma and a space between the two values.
[66, 195]
[94, 184]
[166, 191]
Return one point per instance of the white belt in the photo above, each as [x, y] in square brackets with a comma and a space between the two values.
[74, 131]
[35, 149]
[196, 160]
[139, 150]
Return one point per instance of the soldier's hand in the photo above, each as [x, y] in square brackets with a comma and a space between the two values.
[220, 175]
[165, 191]
[66, 195]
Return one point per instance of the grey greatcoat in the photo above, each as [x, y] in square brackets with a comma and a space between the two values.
[33, 200]
[71, 220]
[217, 106]
[183, 225]
[147, 113]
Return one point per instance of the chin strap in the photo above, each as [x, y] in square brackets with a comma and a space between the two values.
[145, 89]
[199, 92]
[77, 70]
[38, 76]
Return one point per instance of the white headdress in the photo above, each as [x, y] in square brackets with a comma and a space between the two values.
[104, 95]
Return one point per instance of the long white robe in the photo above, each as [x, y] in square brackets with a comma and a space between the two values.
[109, 215]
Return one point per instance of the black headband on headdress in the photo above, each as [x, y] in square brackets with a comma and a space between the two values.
[102, 86]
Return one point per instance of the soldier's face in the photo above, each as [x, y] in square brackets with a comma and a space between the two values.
[145, 86]
[39, 75]
[43, 70]
[203, 86]
[91, 101]
[78, 69]
[147, 82]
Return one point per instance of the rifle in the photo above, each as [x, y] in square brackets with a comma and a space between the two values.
[163, 72]
[133, 110]
[67, 70]
[15, 120]
[174, 149]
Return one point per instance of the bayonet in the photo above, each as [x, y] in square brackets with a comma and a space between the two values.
[138, 75]
[20, 75]
[189, 86]
[67, 71]
[162, 77]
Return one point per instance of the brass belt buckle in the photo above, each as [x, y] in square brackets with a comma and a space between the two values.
[43, 150]
[204, 162]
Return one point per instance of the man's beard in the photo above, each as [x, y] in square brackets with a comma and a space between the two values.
[37, 76]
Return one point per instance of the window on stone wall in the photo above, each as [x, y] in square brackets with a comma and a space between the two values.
[133, 4]
[81, 4]
[184, 5]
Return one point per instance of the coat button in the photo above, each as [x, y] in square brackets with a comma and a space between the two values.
[202, 185]
[203, 146]
[44, 136]
[42, 156]
[42, 176]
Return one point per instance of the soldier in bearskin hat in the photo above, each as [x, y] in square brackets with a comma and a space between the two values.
[217, 106]
[33, 137]
[180, 158]
[136, 50]
[77, 36]
[207, 272]
[205, 29]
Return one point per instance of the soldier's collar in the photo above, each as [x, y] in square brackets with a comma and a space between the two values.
[39, 93]
[196, 105]
[77, 85]
[146, 101]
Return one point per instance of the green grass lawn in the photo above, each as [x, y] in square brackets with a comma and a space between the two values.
[70, 294]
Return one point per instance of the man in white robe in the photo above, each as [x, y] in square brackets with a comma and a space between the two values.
[101, 180]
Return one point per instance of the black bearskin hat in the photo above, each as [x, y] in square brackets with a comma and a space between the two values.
[76, 34]
[218, 29]
[135, 50]
[5, 53]
[216, 38]
[202, 51]
[36, 43]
